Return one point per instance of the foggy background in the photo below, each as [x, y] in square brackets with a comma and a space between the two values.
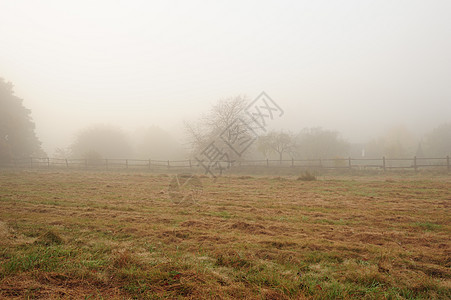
[357, 67]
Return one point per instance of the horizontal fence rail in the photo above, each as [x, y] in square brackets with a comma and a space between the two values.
[382, 163]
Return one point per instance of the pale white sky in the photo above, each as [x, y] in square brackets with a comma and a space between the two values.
[355, 66]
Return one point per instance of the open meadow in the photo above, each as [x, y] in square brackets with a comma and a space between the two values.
[118, 235]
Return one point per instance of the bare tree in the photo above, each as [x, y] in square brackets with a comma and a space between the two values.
[211, 125]
[276, 142]
[223, 113]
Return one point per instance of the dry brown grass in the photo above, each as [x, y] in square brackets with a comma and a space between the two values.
[117, 235]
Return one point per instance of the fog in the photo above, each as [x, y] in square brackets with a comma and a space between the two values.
[357, 67]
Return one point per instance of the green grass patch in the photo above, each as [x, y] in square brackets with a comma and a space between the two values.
[427, 226]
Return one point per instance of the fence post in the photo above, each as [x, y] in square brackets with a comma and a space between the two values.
[67, 164]
[415, 163]
[169, 165]
[190, 165]
[48, 163]
[320, 163]
[149, 163]
[292, 162]
[126, 163]
[383, 162]
[447, 162]
[349, 163]
[267, 163]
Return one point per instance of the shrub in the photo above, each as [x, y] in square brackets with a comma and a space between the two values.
[307, 176]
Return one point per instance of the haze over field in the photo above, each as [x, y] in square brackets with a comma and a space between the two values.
[247, 149]
[358, 67]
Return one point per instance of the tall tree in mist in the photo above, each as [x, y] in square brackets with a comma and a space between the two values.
[17, 130]
[438, 142]
[211, 125]
[101, 141]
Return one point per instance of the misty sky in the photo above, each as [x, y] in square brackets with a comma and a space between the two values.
[356, 66]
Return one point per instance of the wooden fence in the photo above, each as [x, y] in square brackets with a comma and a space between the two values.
[382, 163]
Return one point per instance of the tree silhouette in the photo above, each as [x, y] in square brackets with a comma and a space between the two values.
[438, 141]
[211, 125]
[17, 130]
[276, 142]
[320, 143]
[101, 141]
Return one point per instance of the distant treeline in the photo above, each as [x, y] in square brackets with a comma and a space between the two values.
[100, 142]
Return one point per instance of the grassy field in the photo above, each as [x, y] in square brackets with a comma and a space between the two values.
[94, 235]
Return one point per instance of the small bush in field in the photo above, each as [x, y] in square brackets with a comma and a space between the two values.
[307, 176]
[49, 238]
